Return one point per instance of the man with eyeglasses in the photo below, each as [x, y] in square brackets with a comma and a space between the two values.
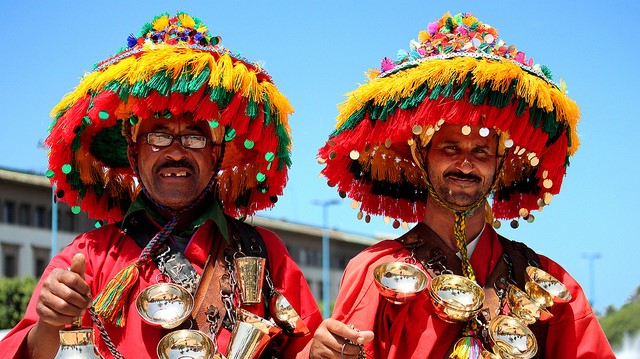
[167, 143]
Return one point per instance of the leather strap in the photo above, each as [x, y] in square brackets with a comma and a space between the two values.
[434, 254]
[213, 283]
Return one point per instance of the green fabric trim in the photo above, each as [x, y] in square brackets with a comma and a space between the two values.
[182, 83]
[283, 145]
[110, 147]
[220, 95]
[213, 212]
[140, 89]
[161, 82]
[199, 80]
[252, 109]
[267, 110]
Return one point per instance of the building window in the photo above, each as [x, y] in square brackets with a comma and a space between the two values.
[40, 217]
[24, 214]
[10, 260]
[314, 258]
[302, 256]
[40, 260]
[9, 212]
[66, 221]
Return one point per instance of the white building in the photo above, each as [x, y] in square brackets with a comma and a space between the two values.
[26, 236]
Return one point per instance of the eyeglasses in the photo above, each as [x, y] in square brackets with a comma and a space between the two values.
[161, 139]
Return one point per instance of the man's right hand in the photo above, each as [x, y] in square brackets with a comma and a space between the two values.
[65, 294]
[329, 340]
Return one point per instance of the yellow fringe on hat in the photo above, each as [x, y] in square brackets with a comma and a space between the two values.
[499, 74]
[175, 61]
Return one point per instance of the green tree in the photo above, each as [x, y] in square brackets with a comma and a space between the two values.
[625, 320]
[14, 296]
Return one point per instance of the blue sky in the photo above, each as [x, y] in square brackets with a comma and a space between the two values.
[318, 50]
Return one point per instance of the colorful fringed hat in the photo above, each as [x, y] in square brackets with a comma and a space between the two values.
[459, 71]
[173, 66]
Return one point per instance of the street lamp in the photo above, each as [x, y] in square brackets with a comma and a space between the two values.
[591, 257]
[325, 253]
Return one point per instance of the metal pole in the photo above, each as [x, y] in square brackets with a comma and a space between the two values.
[326, 252]
[326, 275]
[54, 222]
[591, 257]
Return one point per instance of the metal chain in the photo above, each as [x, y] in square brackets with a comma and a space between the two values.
[229, 298]
[104, 335]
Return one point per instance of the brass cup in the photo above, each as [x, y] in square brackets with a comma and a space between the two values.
[510, 338]
[544, 289]
[250, 335]
[456, 298]
[187, 344]
[286, 317]
[524, 308]
[250, 275]
[77, 343]
[399, 282]
[165, 304]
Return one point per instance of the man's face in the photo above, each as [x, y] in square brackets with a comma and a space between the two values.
[461, 167]
[174, 175]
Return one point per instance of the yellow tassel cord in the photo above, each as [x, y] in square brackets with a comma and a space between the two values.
[534, 90]
[110, 303]
[459, 230]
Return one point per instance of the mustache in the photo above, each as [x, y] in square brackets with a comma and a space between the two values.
[462, 175]
[175, 164]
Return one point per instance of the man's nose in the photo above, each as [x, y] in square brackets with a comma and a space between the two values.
[465, 165]
[175, 150]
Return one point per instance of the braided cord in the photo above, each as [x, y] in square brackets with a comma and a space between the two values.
[460, 225]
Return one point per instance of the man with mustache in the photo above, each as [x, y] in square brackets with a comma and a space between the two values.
[458, 119]
[167, 143]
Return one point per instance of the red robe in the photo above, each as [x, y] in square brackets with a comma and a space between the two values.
[108, 250]
[413, 330]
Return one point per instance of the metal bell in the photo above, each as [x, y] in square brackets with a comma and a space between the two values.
[77, 343]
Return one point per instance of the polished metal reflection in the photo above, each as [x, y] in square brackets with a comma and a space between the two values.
[165, 304]
[248, 341]
[285, 316]
[524, 308]
[250, 276]
[510, 338]
[76, 343]
[544, 289]
[456, 298]
[399, 282]
[187, 344]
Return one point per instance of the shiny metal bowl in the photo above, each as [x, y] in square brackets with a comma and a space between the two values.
[165, 304]
[510, 338]
[186, 344]
[525, 308]
[544, 289]
[456, 298]
[399, 282]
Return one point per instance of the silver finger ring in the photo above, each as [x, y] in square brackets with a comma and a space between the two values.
[344, 345]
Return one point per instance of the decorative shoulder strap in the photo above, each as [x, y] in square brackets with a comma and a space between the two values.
[253, 245]
[522, 256]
